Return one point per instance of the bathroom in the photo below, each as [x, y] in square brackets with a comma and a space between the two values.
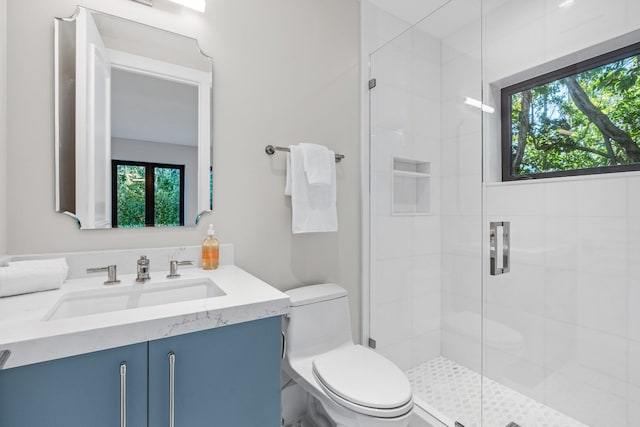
[557, 334]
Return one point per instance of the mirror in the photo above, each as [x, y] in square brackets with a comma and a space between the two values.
[133, 124]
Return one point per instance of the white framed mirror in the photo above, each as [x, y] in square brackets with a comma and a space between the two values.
[133, 144]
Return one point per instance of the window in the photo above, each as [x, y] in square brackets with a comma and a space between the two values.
[147, 194]
[583, 119]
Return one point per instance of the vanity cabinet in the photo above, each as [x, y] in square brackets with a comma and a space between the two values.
[221, 377]
[226, 377]
[77, 391]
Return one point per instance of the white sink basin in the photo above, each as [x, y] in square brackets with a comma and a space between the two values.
[83, 303]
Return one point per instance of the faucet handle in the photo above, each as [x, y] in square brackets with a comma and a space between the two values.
[112, 273]
[143, 268]
[173, 268]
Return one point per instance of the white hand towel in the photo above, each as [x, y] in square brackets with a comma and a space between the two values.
[313, 206]
[22, 277]
[43, 263]
[317, 163]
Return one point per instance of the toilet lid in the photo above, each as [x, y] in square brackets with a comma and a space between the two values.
[363, 377]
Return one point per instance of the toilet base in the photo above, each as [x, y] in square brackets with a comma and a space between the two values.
[300, 409]
[316, 415]
[343, 417]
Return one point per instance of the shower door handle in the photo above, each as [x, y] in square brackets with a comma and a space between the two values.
[499, 255]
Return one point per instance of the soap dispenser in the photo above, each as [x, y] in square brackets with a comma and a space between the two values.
[210, 250]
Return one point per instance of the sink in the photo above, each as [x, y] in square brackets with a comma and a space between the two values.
[83, 303]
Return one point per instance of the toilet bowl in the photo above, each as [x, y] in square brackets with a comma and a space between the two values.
[355, 386]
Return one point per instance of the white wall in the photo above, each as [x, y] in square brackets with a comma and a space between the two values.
[3, 127]
[285, 71]
[158, 152]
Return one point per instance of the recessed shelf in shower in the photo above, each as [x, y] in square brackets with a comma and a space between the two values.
[410, 187]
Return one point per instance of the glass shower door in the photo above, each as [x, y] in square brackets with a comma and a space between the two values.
[560, 336]
[425, 209]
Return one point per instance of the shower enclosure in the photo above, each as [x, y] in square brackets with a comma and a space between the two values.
[555, 340]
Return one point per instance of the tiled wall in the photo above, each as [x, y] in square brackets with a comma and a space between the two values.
[405, 249]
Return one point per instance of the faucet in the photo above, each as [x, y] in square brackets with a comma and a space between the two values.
[112, 275]
[173, 268]
[143, 270]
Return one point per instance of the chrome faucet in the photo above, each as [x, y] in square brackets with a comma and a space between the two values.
[112, 275]
[173, 268]
[143, 270]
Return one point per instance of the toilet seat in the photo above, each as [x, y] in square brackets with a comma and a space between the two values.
[363, 381]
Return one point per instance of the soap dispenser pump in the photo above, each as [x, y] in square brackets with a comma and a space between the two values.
[210, 250]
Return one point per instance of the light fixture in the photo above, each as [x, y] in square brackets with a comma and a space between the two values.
[566, 3]
[478, 104]
[199, 5]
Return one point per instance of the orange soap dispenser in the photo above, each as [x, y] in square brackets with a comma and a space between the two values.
[210, 250]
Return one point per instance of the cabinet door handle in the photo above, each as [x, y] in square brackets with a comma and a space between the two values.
[123, 394]
[172, 391]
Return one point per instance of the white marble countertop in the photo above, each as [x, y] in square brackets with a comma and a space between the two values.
[32, 339]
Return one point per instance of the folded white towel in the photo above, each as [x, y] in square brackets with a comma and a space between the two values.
[42, 263]
[317, 163]
[313, 206]
[22, 277]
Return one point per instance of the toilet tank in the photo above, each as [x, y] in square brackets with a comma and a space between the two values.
[319, 320]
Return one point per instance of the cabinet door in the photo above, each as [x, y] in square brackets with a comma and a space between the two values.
[223, 377]
[78, 391]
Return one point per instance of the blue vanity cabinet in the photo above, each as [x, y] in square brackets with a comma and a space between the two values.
[223, 377]
[76, 391]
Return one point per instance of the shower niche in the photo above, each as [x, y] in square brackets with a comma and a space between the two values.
[410, 187]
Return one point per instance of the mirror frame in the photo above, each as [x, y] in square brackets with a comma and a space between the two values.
[66, 129]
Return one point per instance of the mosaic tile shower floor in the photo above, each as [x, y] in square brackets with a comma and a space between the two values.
[455, 391]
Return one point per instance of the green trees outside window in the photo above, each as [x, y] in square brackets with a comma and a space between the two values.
[583, 119]
[147, 194]
[130, 196]
[168, 202]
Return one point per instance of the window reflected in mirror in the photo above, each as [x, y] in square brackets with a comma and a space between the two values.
[147, 194]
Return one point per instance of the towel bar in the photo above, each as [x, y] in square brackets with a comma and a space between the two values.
[270, 150]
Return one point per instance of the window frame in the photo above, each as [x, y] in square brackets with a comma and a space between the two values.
[574, 69]
[149, 195]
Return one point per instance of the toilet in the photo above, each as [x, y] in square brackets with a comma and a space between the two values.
[353, 385]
